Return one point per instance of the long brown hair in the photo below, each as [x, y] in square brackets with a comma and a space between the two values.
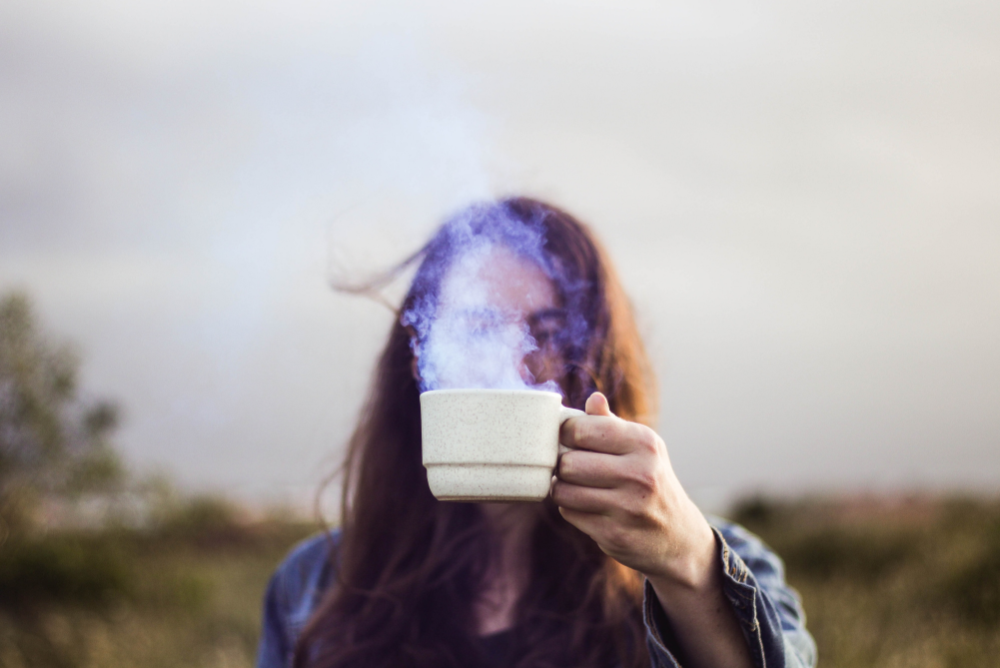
[410, 568]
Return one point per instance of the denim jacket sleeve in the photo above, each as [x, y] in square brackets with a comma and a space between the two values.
[768, 610]
[292, 594]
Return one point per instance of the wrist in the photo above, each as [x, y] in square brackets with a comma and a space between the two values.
[693, 571]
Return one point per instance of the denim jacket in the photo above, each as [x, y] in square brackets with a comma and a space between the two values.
[769, 611]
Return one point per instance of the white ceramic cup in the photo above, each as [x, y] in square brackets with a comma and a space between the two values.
[491, 445]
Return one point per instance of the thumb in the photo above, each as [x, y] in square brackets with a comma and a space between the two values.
[597, 404]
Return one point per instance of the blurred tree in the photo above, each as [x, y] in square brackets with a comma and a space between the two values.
[53, 444]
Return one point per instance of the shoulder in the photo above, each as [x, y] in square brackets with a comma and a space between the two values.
[301, 580]
[309, 556]
[295, 589]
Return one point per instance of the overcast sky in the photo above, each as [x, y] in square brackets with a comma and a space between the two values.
[803, 200]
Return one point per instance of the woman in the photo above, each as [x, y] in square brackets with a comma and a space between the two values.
[616, 568]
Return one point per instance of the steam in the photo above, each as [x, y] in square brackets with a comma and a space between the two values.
[467, 334]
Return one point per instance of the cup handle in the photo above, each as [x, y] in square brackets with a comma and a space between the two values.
[565, 414]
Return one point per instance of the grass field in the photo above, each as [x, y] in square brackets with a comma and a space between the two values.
[887, 583]
[892, 583]
[187, 594]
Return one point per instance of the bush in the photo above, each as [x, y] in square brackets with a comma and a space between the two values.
[838, 552]
[756, 512]
[64, 569]
[205, 521]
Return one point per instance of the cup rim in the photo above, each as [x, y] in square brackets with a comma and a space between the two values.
[486, 390]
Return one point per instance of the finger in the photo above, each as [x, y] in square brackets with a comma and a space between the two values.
[597, 404]
[590, 469]
[596, 433]
[584, 499]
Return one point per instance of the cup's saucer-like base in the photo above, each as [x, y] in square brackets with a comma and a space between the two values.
[488, 482]
[490, 499]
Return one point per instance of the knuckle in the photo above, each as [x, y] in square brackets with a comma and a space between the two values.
[648, 441]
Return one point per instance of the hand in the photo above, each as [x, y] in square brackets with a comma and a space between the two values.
[616, 485]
